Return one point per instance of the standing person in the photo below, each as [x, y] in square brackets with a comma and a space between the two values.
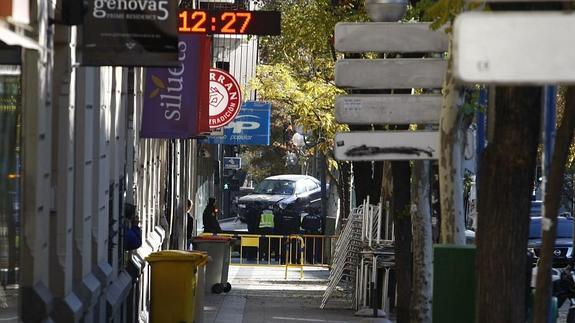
[311, 225]
[191, 222]
[211, 223]
[132, 230]
[266, 227]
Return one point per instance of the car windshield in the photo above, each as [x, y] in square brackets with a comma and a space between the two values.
[275, 187]
[564, 228]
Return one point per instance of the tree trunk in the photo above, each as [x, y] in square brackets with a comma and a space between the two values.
[552, 200]
[435, 203]
[344, 185]
[366, 179]
[386, 197]
[506, 172]
[450, 160]
[422, 253]
[402, 222]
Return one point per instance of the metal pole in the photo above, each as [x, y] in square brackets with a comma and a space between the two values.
[548, 134]
[378, 237]
[483, 95]
[373, 286]
[323, 179]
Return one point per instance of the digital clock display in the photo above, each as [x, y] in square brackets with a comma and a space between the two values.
[229, 22]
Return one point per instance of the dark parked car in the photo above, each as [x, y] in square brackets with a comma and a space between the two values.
[286, 195]
[563, 251]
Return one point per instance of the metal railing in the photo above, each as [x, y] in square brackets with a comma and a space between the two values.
[279, 250]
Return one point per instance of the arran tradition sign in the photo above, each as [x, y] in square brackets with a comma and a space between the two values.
[225, 98]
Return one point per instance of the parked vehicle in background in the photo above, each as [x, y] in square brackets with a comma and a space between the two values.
[563, 251]
[287, 196]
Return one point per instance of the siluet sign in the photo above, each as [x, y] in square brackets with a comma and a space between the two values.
[130, 33]
[173, 96]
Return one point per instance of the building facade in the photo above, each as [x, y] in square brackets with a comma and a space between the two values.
[71, 165]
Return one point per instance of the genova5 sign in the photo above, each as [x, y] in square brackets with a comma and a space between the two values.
[250, 127]
[130, 33]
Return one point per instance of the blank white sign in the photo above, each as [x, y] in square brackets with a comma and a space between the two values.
[390, 73]
[358, 37]
[526, 47]
[386, 145]
[388, 108]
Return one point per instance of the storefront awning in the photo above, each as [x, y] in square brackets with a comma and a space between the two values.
[14, 39]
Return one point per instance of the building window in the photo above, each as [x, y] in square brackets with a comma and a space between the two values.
[10, 217]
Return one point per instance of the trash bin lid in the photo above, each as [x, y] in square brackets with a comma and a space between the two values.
[212, 239]
[199, 258]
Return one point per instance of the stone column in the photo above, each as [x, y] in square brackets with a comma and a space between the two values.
[103, 270]
[87, 286]
[67, 306]
[36, 166]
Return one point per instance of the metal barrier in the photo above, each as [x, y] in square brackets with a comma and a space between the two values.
[271, 250]
[299, 249]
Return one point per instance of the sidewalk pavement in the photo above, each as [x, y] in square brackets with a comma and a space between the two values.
[260, 294]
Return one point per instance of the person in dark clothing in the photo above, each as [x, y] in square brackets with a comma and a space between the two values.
[312, 225]
[253, 220]
[132, 231]
[133, 236]
[191, 222]
[211, 223]
[288, 223]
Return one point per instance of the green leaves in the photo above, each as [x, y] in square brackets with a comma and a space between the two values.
[306, 103]
[298, 73]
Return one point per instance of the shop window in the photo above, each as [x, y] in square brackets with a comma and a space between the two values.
[10, 215]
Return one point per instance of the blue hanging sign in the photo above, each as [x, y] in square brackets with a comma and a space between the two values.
[250, 127]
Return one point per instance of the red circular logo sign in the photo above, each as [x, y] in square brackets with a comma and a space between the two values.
[225, 98]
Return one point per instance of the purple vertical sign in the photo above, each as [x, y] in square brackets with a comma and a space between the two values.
[171, 95]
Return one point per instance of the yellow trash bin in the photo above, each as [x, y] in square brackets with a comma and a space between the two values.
[173, 285]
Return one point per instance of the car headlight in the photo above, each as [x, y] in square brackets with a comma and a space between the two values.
[241, 206]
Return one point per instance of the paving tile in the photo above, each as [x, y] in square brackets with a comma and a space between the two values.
[260, 294]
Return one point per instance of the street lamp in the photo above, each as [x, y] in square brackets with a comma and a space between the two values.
[386, 10]
[298, 140]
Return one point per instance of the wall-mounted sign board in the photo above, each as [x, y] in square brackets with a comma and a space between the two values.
[250, 127]
[388, 109]
[232, 163]
[129, 33]
[386, 145]
[235, 22]
[359, 37]
[525, 47]
[393, 73]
